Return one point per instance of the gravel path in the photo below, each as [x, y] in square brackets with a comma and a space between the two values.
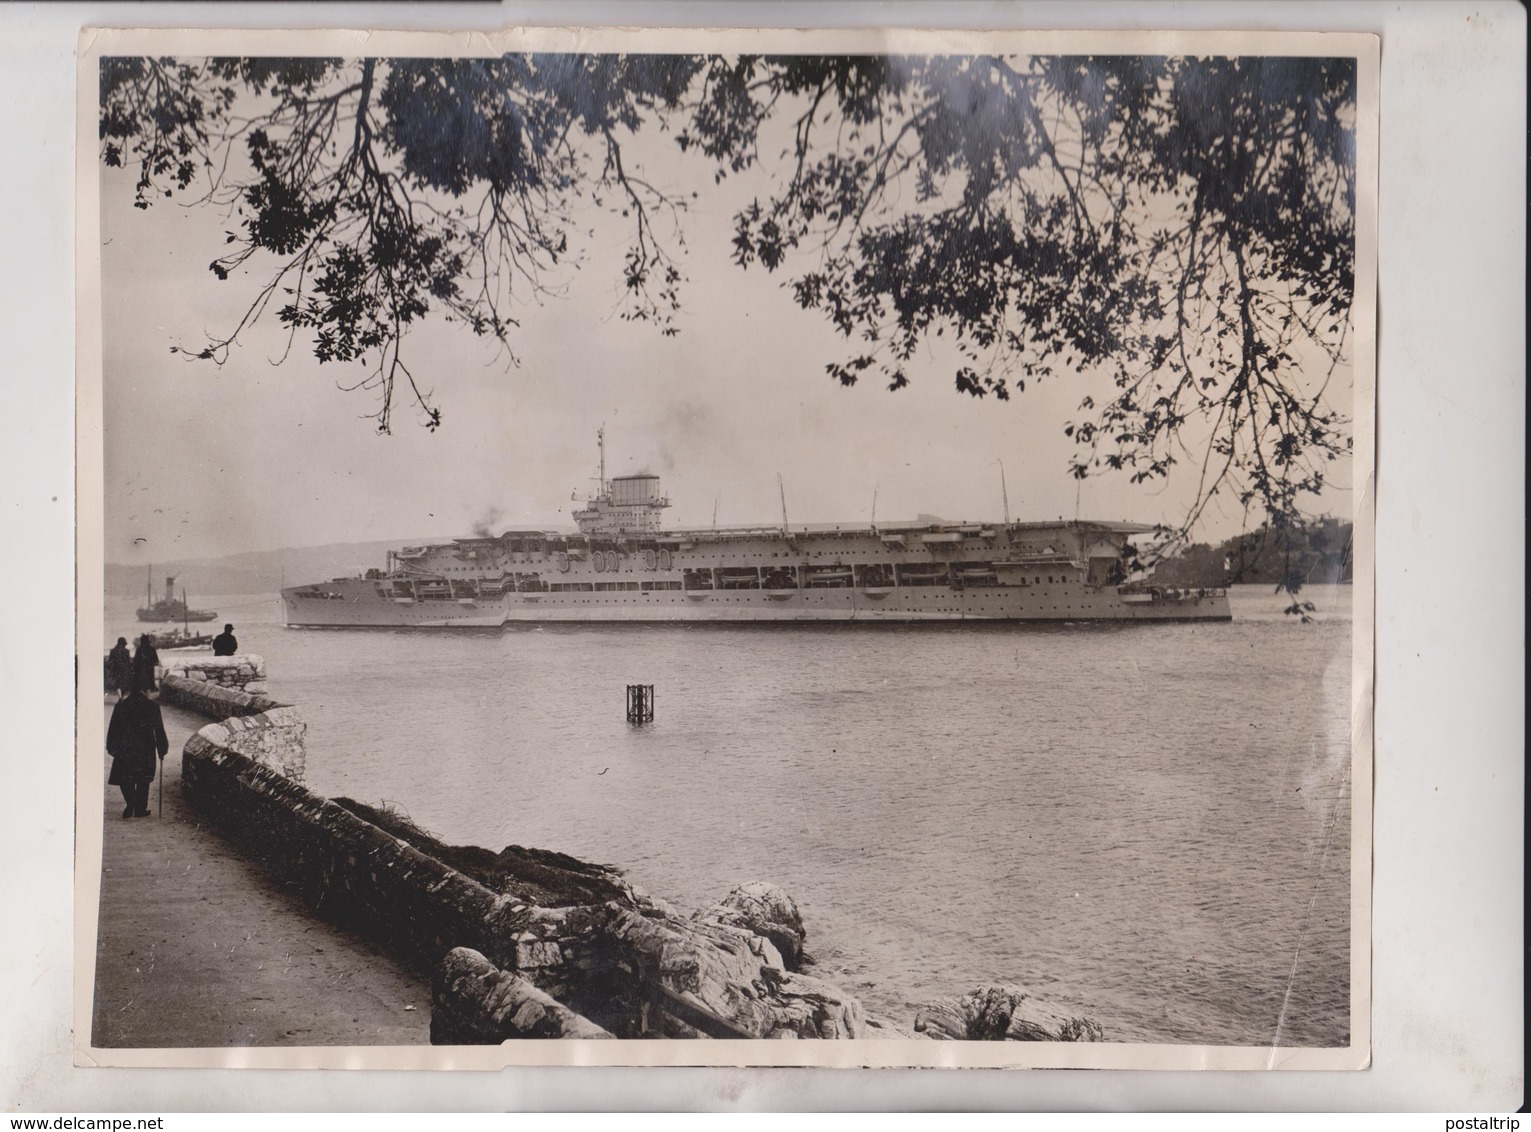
[198, 947]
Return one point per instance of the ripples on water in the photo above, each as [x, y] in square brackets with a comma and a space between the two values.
[1132, 820]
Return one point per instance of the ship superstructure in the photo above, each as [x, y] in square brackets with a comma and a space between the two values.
[623, 565]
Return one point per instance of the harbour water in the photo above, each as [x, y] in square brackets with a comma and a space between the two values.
[1147, 824]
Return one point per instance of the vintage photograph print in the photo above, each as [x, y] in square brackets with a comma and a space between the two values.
[625, 547]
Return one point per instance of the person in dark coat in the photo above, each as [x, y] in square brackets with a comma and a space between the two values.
[225, 643]
[119, 668]
[134, 737]
[145, 661]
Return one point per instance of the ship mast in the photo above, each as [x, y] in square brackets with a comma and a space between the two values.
[783, 492]
[1003, 490]
[600, 440]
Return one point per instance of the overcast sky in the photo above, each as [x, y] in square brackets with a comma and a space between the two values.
[203, 461]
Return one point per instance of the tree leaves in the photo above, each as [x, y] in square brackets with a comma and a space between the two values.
[1182, 226]
[1185, 225]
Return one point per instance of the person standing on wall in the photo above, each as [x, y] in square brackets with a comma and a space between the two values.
[225, 643]
[134, 737]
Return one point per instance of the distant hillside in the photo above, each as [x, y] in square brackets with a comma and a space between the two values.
[257, 572]
[1321, 552]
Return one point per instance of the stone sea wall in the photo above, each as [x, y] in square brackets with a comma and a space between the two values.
[340, 865]
[213, 701]
[274, 739]
[528, 943]
[243, 672]
[630, 966]
[217, 686]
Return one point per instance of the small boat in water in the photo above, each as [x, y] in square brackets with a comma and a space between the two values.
[180, 639]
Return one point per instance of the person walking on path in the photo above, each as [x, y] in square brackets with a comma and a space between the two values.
[119, 668]
[225, 643]
[134, 737]
[145, 661]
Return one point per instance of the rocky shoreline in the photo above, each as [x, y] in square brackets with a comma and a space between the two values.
[528, 943]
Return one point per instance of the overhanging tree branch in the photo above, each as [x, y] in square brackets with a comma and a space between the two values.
[1182, 229]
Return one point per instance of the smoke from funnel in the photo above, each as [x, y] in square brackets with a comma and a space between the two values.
[484, 526]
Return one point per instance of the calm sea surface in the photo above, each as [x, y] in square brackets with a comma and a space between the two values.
[1148, 824]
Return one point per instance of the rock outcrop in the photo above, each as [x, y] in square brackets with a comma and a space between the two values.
[1002, 1014]
[705, 972]
[766, 911]
[473, 1002]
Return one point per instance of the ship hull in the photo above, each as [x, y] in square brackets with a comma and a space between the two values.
[921, 572]
[160, 617]
[357, 604]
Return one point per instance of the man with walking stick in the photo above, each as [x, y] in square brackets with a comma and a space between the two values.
[134, 737]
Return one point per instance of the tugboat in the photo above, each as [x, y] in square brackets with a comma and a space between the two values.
[170, 607]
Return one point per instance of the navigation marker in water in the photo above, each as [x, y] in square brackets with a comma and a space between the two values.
[640, 703]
